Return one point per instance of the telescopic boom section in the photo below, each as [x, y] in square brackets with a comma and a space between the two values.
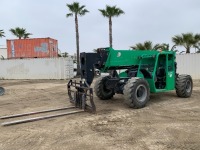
[109, 59]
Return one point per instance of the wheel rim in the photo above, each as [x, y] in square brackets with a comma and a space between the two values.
[188, 86]
[105, 90]
[141, 93]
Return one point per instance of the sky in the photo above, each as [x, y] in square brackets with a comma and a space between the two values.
[144, 20]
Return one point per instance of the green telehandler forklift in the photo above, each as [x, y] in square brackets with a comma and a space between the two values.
[133, 73]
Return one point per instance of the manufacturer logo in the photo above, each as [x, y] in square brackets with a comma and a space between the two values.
[170, 74]
[118, 54]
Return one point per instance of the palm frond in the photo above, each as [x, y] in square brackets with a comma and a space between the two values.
[76, 9]
[177, 39]
[159, 46]
[173, 47]
[83, 12]
[111, 11]
[26, 35]
[13, 31]
[81, 8]
[69, 15]
[186, 40]
[104, 12]
[147, 45]
[19, 32]
[71, 8]
[133, 47]
[197, 37]
[138, 46]
[2, 33]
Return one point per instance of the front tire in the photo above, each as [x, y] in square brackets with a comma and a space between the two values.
[100, 89]
[2, 91]
[136, 92]
[184, 86]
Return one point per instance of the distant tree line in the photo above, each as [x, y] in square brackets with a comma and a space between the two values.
[187, 40]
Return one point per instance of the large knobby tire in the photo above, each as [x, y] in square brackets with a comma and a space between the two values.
[100, 89]
[184, 86]
[2, 91]
[136, 92]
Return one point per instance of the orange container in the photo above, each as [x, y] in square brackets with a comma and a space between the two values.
[32, 48]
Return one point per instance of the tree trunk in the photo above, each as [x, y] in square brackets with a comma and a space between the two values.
[187, 50]
[77, 46]
[110, 31]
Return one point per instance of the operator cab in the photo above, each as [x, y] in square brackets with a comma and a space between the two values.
[160, 76]
[165, 72]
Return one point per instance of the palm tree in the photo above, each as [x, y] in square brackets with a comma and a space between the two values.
[109, 12]
[188, 40]
[2, 34]
[166, 47]
[76, 10]
[20, 32]
[147, 45]
[65, 54]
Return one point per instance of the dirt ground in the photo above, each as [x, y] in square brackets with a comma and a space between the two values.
[167, 122]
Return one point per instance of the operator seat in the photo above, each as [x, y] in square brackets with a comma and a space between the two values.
[161, 73]
[161, 78]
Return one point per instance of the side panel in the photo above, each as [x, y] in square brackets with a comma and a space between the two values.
[151, 85]
[126, 57]
[41, 68]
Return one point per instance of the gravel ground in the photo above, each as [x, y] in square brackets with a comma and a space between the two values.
[167, 122]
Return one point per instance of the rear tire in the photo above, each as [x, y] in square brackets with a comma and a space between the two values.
[136, 92]
[184, 86]
[100, 89]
